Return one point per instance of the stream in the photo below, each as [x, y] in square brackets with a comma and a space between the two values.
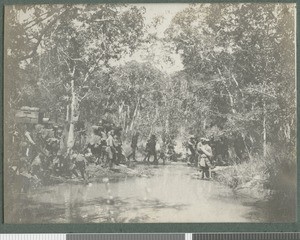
[170, 195]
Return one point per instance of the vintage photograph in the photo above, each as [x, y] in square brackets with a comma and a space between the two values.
[150, 113]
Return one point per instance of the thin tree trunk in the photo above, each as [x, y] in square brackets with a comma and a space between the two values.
[124, 119]
[120, 114]
[155, 118]
[71, 137]
[264, 130]
[228, 92]
[204, 124]
[246, 147]
[67, 115]
[135, 113]
[167, 125]
[287, 132]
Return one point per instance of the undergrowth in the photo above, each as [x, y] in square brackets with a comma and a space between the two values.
[273, 177]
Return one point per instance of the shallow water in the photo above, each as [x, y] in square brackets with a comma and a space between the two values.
[171, 195]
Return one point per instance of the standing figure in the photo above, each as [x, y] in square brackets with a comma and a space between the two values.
[111, 151]
[205, 153]
[36, 166]
[134, 147]
[31, 151]
[103, 156]
[151, 149]
[94, 143]
[118, 147]
[171, 152]
[192, 147]
[78, 163]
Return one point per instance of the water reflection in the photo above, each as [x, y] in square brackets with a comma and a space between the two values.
[171, 195]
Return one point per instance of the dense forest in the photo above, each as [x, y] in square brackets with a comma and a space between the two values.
[237, 85]
[220, 72]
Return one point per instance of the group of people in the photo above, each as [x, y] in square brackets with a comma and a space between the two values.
[201, 155]
[166, 152]
[41, 150]
[37, 148]
[105, 145]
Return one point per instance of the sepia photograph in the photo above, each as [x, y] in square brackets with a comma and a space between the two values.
[150, 113]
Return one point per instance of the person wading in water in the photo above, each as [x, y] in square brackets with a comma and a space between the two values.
[134, 143]
[151, 149]
[111, 148]
[205, 153]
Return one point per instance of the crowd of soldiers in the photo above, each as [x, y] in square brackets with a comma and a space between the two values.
[41, 149]
[200, 155]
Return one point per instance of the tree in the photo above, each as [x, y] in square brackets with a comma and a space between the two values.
[233, 55]
[65, 46]
[138, 91]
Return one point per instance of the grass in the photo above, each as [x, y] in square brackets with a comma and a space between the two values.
[273, 176]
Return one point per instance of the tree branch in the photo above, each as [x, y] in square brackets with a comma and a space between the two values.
[40, 37]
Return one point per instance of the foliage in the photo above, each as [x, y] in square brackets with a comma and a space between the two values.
[61, 43]
[237, 83]
[237, 63]
[272, 179]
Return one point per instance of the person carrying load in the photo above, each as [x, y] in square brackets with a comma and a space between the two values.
[205, 154]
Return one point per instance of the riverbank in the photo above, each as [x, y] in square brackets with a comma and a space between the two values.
[269, 185]
[97, 173]
[243, 181]
[270, 180]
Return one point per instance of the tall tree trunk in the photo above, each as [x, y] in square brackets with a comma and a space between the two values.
[204, 124]
[71, 137]
[135, 114]
[120, 113]
[264, 130]
[231, 100]
[67, 115]
[287, 132]
[154, 119]
[167, 125]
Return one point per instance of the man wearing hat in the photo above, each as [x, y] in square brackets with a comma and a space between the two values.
[205, 154]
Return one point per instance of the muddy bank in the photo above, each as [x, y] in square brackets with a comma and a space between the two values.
[271, 205]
